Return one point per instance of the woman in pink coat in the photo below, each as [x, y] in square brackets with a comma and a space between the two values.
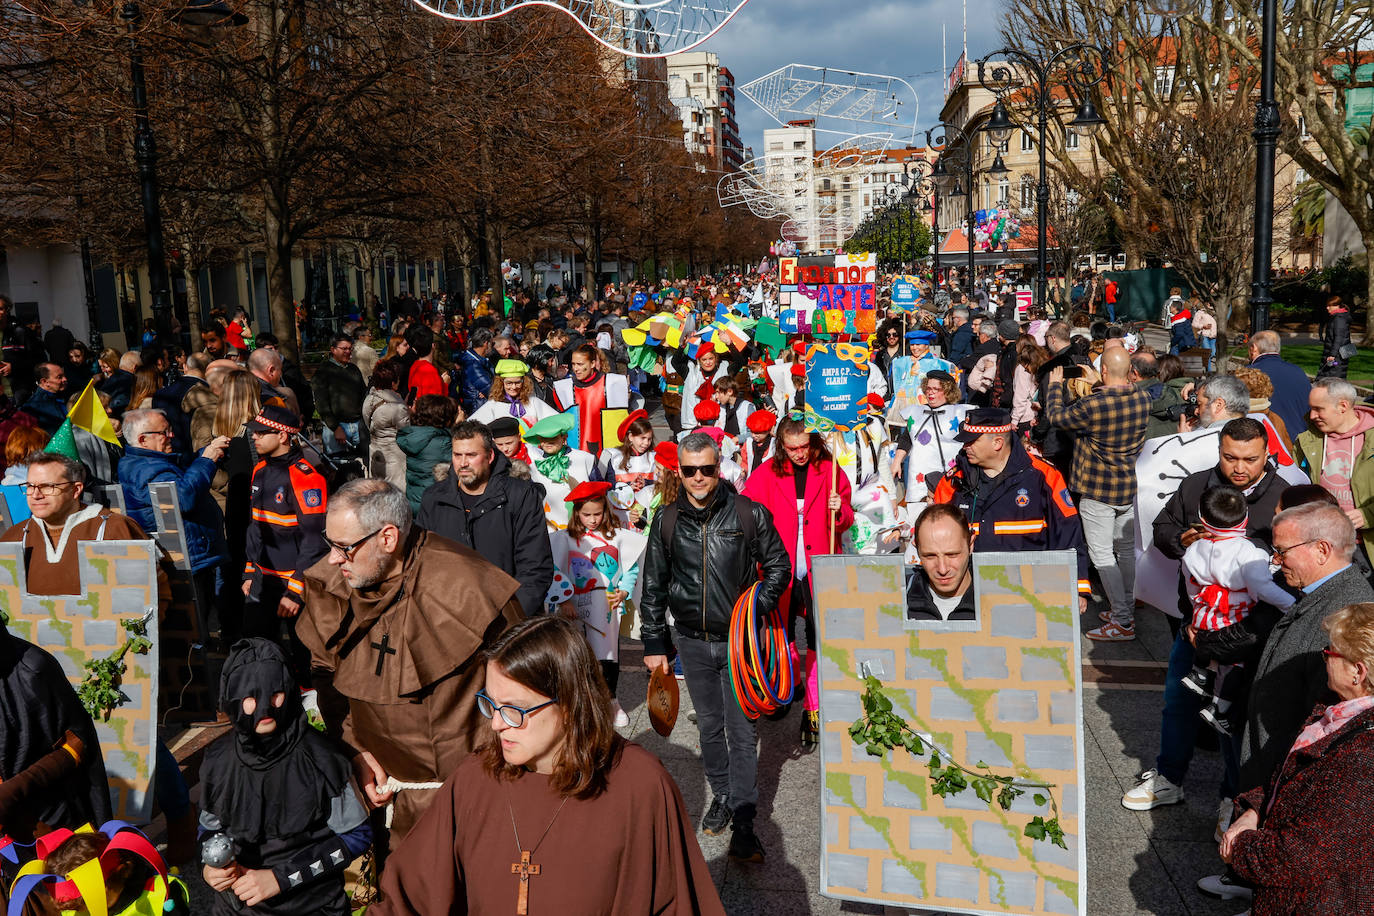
[795, 487]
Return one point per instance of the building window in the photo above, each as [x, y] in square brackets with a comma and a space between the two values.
[1027, 193]
[698, 77]
[1300, 176]
[865, 201]
[1071, 139]
[1003, 191]
[775, 145]
[1027, 141]
[1164, 80]
[825, 184]
[799, 144]
[1072, 198]
[1302, 128]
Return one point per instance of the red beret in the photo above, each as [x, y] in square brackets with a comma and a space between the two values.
[798, 370]
[706, 411]
[761, 421]
[666, 455]
[589, 490]
[874, 400]
[624, 429]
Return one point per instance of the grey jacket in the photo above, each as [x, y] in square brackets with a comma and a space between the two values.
[1291, 676]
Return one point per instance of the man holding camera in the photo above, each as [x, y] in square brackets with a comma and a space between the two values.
[1109, 425]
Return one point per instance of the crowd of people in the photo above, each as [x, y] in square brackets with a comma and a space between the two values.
[434, 546]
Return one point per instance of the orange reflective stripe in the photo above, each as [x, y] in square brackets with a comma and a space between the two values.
[279, 573]
[275, 518]
[1029, 526]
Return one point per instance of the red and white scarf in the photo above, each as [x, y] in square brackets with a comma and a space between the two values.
[1333, 719]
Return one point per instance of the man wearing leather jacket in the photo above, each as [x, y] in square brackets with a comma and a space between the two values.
[704, 550]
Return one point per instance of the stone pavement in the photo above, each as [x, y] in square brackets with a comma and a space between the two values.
[1139, 863]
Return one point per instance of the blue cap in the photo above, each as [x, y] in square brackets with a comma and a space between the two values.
[920, 335]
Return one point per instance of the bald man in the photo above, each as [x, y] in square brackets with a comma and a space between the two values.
[1110, 426]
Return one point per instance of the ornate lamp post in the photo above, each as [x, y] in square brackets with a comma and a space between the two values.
[1266, 137]
[923, 183]
[1078, 66]
[953, 162]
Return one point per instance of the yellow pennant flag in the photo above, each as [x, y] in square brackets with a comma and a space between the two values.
[89, 414]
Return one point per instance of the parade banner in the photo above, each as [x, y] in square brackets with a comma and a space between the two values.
[951, 755]
[836, 386]
[116, 600]
[828, 294]
[906, 292]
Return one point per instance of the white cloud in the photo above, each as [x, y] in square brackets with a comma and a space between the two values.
[895, 37]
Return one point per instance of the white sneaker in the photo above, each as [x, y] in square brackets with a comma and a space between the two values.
[1218, 886]
[1225, 808]
[622, 719]
[1153, 792]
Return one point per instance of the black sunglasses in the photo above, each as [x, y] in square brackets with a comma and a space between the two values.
[692, 470]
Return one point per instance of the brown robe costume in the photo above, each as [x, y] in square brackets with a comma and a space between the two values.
[425, 634]
[630, 850]
[60, 576]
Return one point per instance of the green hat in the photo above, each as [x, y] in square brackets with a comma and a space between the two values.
[550, 427]
[512, 368]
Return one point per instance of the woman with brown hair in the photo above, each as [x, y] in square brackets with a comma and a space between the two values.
[428, 443]
[146, 383]
[811, 505]
[596, 824]
[1030, 356]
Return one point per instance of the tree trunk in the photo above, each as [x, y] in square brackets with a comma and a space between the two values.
[280, 302]
[193, 311]
[1368, 239]
[498, 279]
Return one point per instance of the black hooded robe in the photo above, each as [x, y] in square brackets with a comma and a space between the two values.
[37, 707]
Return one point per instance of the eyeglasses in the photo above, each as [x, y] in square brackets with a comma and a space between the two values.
[1331, 653]
[348, 550]
[158, 432]
[692, 470]
[1281, 552]
[514, 716]
[44, 489]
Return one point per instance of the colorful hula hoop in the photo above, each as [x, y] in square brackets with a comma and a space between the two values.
[763, 670]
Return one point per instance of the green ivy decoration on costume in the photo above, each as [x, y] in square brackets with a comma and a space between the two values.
[881, 730]
[99, 690]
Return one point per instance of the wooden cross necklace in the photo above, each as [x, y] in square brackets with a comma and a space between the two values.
[525, 868]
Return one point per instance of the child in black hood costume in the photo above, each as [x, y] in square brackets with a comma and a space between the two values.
[280, 794]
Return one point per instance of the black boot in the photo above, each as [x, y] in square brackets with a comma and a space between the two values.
[744, 844]
[811, 728]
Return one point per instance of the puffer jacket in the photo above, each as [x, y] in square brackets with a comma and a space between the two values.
[425, 447]
[385, 415]
[707, 568]
[475, 380]
[200, 514]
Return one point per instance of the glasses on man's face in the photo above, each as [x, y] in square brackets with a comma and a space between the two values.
[1281, 552]
[44, 489]
[165, 433]
[692, 470]
[514, 716]
[348, 550]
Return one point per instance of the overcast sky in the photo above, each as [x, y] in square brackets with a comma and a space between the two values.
[890, 37]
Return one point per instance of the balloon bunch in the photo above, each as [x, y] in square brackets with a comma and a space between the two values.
[995, 229]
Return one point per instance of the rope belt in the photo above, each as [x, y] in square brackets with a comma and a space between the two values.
[394, 785]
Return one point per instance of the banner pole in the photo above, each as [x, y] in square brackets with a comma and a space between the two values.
[834, 478]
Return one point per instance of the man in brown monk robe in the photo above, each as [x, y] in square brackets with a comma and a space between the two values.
[59, 521]
[396, 619]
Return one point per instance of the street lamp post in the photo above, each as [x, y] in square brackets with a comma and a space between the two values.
[939, 138]
[1084, 66]
[208, 13]
[923, 182]
[1266, 135]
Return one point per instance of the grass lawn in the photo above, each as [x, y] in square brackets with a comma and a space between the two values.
[1308, 356]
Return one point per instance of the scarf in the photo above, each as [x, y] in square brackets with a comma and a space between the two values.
[517, 407]
[1221, 534]
[1333, 719]
[555, 467]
